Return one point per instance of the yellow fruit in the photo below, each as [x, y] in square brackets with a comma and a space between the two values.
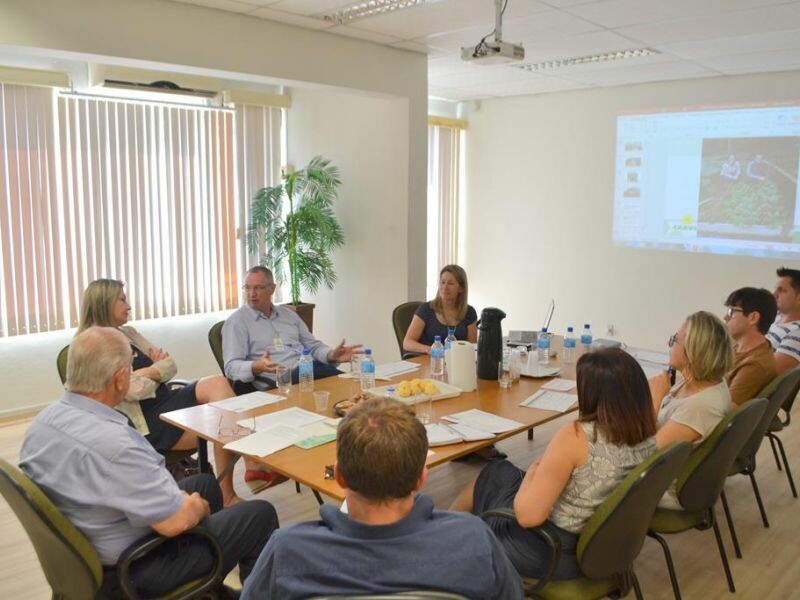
[431, 389]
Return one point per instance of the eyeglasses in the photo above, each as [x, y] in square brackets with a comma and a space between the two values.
[732, 310]
[673, 339]
[256, 288]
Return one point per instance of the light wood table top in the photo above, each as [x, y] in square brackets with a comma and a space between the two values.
[308, 466]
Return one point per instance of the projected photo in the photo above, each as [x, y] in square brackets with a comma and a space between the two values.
[748, 188]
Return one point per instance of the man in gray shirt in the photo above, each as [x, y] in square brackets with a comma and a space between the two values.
[112, 485]
[260, 336]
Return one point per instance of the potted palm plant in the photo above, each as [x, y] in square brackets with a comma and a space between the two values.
[300, 235]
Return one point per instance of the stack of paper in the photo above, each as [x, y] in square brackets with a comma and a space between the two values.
[290, 417]
[484, 421]
[386, 371]
[247, 402]
[548, 400]
[534, 369]
[441, 435]
[281, 429]
[652, 363]
[559, 385]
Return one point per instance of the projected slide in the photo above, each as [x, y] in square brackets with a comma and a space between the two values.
[721, 180]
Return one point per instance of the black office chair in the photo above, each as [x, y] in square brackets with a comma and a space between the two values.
[70, 563]
[401, 319]
[215, 341]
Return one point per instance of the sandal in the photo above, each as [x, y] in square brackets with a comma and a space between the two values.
[258, 480]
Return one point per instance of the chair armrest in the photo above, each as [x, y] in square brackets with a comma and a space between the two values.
[176, 383]
[142, 548]
[553, 544]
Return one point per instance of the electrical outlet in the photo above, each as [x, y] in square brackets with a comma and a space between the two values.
[611, 330]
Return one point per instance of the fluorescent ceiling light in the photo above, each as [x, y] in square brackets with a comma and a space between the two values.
[370, 8]
[586, 60]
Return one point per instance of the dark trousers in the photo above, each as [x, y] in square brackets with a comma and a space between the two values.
[321, 370]
[241, 531]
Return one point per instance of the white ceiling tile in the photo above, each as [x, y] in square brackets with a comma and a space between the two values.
[484, 75]
[362, 34]
[436, 17]
[309, 7]
[417, 47]
[227, 5]
[773, 18]
[289, 18]
[776, 60]
[622, 13]
[628, 74]
[756, 42]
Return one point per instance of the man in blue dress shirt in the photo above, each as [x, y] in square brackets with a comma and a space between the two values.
[112, 485]
[391, 539]
[259, 336]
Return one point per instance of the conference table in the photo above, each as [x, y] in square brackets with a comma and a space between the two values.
[307, 467]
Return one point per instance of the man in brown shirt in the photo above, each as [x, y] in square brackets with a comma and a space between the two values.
[750, 313]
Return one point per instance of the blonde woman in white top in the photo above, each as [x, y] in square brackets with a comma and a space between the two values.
[105, 304]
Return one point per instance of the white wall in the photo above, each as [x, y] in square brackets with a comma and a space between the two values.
[372, 266]
[540, 176]
[362, 105]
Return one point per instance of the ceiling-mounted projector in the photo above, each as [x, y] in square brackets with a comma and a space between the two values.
[496, 51]
[492, 53]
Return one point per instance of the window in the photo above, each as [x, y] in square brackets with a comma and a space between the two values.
[145, 192]
[444, 187]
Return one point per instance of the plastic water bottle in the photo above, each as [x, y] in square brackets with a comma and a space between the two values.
[367, 371]
[570, 345]
[543, 346]
[586, 338]
[305, 371]
[448, 341]
[437, 357]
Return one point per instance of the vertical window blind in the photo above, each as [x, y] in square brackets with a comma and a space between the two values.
[145, 192]
[30, 234]
[444, 160]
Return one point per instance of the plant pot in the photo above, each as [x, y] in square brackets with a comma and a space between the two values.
[305, 311]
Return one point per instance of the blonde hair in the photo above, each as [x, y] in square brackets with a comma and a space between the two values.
[461, 303]
[708, 346]
[98, 302]
[94, 356]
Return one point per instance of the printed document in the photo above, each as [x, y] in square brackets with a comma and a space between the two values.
[247, 402]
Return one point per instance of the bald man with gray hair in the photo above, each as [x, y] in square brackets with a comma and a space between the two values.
[112, 485]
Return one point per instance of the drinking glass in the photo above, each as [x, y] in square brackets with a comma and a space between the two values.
[321, 400]
[234, 430]
[355, 371]
[423, 406]
[504, 376]
[283, 378]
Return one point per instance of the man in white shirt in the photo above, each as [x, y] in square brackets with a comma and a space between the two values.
[784, 335]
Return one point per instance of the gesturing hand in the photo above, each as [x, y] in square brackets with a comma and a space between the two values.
[343, 353]
[264, 364]
[157, 354]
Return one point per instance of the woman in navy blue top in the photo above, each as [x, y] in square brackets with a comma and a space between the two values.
[448, 309]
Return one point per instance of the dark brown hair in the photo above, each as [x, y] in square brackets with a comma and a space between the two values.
[381, 449]
[759, 300]
[613, 393]
[793, 275]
